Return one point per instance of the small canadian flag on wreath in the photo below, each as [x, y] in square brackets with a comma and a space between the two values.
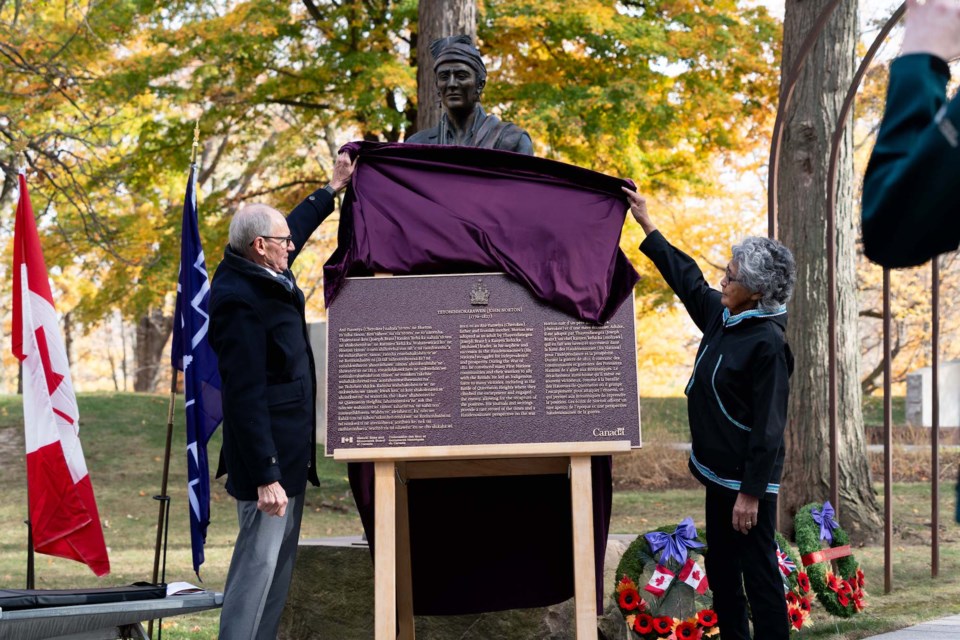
[693, 575]
[659, 581]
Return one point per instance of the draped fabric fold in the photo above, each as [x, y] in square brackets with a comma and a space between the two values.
[553, 227]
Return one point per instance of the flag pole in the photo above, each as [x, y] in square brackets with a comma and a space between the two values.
[163, 498]
[20, 160]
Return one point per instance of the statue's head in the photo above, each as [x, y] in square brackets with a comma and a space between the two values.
[461, 74]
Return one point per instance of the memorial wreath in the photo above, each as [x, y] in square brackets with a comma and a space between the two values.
[663, 593]
[677, 603]
[840, 592]
[796, 584]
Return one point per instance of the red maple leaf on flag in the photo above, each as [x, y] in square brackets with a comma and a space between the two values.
[696, 575]
[659, 581]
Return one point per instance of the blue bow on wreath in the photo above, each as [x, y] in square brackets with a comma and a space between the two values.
[825, 519]
[674, 544]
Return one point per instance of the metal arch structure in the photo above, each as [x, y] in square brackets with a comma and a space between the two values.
[786, 100]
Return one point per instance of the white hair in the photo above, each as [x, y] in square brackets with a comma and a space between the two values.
[765, 267]
[249, 223]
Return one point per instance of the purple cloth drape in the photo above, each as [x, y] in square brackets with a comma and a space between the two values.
[553, 227]
[488, 544]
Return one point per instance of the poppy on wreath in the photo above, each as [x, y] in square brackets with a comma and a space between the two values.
[858, 600]
[833, 583]
[707, 618]
[795, 616]
[663, 624]
[629, 600]
[687, 631]
[643, 623]
[861, 580]
[804, 604]
[803, 581]
[792, 598]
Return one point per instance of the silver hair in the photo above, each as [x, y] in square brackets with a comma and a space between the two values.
[766, 267]
[250, 222]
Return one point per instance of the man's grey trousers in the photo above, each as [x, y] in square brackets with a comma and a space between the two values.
[260, 571]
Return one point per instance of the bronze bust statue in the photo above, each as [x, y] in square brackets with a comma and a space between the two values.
[461, 76]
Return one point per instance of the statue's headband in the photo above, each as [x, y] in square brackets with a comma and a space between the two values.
[458, 49]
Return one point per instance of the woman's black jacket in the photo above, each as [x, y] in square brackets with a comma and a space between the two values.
[737, 394]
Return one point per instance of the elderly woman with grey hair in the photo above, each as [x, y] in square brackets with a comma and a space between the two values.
[737, 409]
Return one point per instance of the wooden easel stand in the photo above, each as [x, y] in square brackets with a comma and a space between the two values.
[393, 588]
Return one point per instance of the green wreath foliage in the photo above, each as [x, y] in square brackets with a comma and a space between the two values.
[798, 596]
[784, 545]
[807, 532]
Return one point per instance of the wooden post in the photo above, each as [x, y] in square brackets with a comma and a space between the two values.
[584, 570]
[404, 563]
[385, 560]
[393, 588]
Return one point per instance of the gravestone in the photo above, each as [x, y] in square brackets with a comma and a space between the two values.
[920, 396]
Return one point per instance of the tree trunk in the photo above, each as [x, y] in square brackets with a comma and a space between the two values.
[123, 351]
[153, 329]
[802, 202]
[68, 336]
[437, 19]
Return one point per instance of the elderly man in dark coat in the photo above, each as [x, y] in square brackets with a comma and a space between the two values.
[259, 333]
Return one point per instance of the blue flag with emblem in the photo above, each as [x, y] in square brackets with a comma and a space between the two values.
[191, 353]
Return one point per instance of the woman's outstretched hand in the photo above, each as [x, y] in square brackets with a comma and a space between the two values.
[638, 207]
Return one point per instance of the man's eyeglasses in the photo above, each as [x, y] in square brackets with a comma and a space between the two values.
[281, 240]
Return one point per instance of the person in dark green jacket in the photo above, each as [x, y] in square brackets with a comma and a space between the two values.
[911, 191]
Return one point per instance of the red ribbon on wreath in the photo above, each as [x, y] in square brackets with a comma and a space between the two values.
[825, 555]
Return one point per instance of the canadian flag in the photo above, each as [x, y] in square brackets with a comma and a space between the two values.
[693, 575]
[659, 581]
[63, 511]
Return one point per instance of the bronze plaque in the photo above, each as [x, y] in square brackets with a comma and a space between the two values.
[473, 359]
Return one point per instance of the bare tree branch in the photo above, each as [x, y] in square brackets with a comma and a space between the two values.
[313, 10]
[281, 187]
[298, 103]
[869, 382]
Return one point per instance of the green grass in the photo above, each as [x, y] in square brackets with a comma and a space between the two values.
[873, 410]
[666, 418]
[123, 437]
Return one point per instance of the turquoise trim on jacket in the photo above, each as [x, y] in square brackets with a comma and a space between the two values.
[713, 383]
[723, 482]
[694, 374]
[730, 321]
